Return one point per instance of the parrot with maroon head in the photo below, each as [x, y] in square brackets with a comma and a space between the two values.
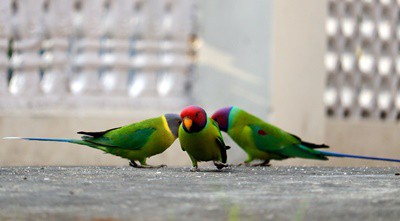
[263, 141]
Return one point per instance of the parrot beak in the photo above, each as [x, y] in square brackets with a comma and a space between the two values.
[187, 122]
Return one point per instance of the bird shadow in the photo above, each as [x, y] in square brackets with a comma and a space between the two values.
[210, 170]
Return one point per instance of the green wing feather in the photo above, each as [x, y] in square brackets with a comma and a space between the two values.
[215, 124]
[270, 139]
[277, 141]
[130, 137]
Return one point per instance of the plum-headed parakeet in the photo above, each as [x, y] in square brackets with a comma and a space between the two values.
[201, 138]
[137, 141]
[266, 142]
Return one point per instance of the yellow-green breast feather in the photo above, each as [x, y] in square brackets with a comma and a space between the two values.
[204, 145]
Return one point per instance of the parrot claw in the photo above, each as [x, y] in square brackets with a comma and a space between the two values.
[220, 165]
[135, 165]
[194, 169]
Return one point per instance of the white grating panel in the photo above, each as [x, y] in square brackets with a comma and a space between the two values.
[89, 53]
[362, 59]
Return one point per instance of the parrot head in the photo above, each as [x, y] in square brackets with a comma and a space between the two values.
[194, 119]
[173, 121]
[222, 118]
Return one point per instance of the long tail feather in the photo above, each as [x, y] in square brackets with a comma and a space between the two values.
[334, 154]
[65, 140]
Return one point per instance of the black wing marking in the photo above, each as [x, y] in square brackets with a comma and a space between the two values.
[310, 145]
[313, 145]
[222, 148]
[97, 134]
[297, 137]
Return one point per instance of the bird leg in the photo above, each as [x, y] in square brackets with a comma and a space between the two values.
[194, 169]
[263, 164]
[220, 165]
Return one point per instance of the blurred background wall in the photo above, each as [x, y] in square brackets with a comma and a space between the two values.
[302, 65]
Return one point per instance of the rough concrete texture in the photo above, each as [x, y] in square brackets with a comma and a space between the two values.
[124, 193]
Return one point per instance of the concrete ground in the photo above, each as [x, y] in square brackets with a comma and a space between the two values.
[274, 193]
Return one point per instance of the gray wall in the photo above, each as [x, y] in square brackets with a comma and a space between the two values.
[266, 57]
[235, 58]
[298, 73]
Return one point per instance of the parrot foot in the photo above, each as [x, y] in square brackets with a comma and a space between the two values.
[220, 165]
[263, 164]
[194, 169]
[135, 165]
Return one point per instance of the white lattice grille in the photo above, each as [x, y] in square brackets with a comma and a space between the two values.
[362, 59]
[95, 52]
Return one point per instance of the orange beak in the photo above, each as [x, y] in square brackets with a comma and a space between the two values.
[187, 122]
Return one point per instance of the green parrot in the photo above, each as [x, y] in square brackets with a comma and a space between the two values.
[137, 141]
[201, 138]
[266, 142]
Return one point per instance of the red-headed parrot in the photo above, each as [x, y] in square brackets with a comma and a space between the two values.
[137, 141]
[266, 142]
[201, 138]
